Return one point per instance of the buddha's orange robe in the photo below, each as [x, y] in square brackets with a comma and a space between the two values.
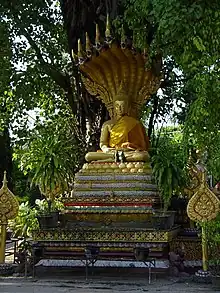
[128, 129]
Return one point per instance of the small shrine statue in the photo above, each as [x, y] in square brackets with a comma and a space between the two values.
[122, 136]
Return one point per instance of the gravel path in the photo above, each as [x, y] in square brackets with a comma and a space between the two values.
[21, 285]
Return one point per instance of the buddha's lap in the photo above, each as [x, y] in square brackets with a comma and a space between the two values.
[129, 155]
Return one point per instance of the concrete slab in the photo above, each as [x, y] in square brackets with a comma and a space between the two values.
[104, 285]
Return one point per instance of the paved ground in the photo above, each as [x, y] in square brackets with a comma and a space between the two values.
[98, 285]
[53, 280]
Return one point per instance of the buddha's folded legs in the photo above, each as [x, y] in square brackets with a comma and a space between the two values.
[130, 156]
[137, 156]
[99, 156]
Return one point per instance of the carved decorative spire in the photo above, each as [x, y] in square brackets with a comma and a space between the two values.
[88, 43]
[74, 56]
[106, 65]
[108, 28]
[80, 49]
[204, 204]
[97, 36]
[5, 181]
[8, 203]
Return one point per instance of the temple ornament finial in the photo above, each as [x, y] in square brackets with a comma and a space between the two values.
[97, 36]
[88, 43]
[80, 49]
[74, 56]
[106, 65]
[5, 181]
[108, 28]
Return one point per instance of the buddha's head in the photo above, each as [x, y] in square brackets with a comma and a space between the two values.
[121, 108]
[121, 103]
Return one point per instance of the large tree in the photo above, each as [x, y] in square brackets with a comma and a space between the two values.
[5, 110]
[188, 32]
[44, 76]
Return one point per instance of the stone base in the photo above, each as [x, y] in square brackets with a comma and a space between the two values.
[202, 277]
[6, 269]
[113, 188]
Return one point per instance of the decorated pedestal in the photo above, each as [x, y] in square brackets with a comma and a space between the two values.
[110, 207]
[112, 193]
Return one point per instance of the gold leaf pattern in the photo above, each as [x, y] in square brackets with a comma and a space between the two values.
[8, 203]
[204, 205]
[106, 235]
[105, 74]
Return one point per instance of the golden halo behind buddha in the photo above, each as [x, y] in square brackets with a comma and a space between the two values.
[120, 71]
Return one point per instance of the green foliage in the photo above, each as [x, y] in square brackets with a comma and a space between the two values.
[22, 188]
[49, 155]
[168, 162]
[36, 73]
[25, 222]
[187, 32]
[38, 61]
[181, 29]
[44, 207]
[212, 229]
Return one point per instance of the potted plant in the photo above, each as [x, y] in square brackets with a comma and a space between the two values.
[167, 163]
[48, 212]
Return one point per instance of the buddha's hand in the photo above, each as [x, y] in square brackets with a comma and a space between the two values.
[128, 145]
[106, 149]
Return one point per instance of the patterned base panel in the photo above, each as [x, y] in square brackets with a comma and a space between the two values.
[103, 219]
[114, 185]
[112, 177]
[92, 208]
[104, 246]
[107, 235]
[134, 185]
[111, 199]
[191, 246]
[115, 192]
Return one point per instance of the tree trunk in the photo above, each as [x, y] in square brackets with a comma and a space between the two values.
[153, 114]
[6, 157]
[81, 17]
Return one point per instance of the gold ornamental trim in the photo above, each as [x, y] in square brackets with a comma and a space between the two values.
[116, 70]
[106, 236]
[106, 218]
[109, 199]
[8, 203]
[204, 204]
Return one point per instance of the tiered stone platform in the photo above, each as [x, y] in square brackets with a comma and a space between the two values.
[112, 193]
[110, 207]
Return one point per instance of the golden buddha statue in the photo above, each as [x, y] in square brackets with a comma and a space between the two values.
[117, 74]
[122, 134]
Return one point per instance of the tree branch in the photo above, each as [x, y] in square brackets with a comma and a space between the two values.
[61, 79]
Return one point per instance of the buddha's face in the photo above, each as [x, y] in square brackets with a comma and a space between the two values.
[121, 108]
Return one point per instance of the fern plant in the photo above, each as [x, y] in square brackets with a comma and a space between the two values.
[25, 222]
[168, 166]
[50, 157]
